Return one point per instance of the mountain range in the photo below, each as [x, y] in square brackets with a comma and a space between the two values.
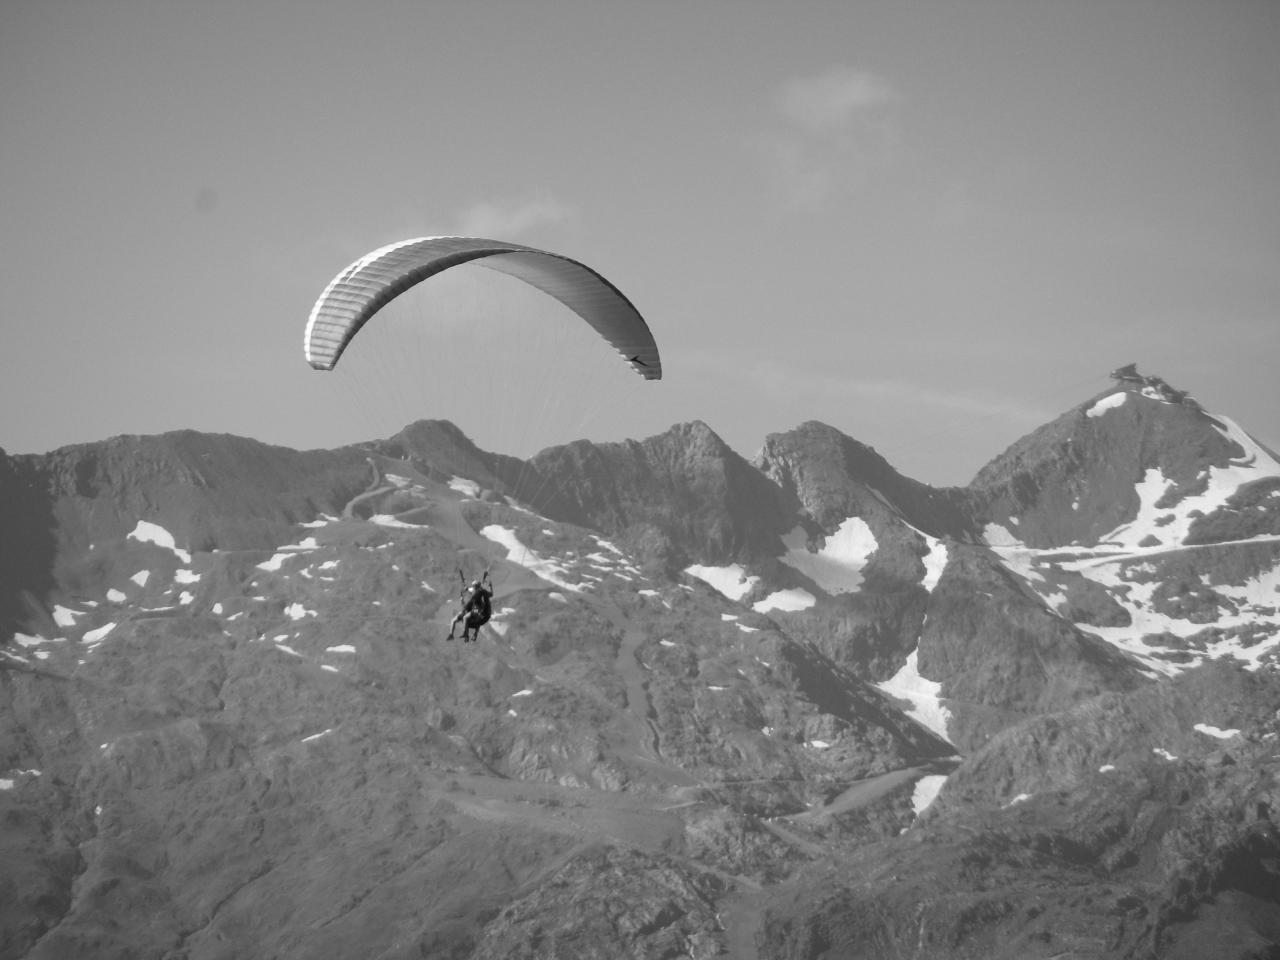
[796, 706]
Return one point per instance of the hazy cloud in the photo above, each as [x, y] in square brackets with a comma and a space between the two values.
[832, 130]
[832, 102]
[508, 219]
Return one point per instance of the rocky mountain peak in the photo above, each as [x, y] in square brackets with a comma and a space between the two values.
[833, 477]
[1129, 449]
[683, 493]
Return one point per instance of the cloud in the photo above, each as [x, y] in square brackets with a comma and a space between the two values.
[509, 219]
[832, 102]
[832, 131]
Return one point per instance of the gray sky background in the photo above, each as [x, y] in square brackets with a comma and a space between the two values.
[933, 225]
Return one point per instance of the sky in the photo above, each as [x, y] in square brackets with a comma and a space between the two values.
[932, 224]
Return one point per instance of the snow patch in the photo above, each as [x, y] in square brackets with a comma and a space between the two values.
[788, 600]
[468, 488]
[517, 552]
[317, 736]
[296, 611]
[183, 575]
[926, 791]
[923, 695]
[935, 561]
[25, 640]
[146, 532]
[115, 596]
[1161, 752]
[608, 546]
[96, 636]
[340, 648]
[1111, 402]
[1212, 731]
[387, 520]
[837, 566]
[65, 616]
[141, 577]
[732, 580]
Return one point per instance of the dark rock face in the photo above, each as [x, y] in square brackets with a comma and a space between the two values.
[29, 535]
[208, 490]
[677, 496]
[1004, 654]
[707, 719]
[833, 477]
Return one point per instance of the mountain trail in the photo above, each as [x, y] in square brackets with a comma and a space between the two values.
[376, 488]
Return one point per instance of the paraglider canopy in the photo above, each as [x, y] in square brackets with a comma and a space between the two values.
[356, 294]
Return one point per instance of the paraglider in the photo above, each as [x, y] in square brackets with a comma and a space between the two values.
[477, 608]
[355, 295]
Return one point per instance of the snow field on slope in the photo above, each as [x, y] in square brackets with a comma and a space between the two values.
[1216, 732]
[935, 561]
[1169, 526]
[1258, 599]
[550, 570]
[926, 791]
[837, 566]
[1155, 531]
[924, 696]
[1111, 402]
[731, 580]
[793, 599]
[1261, 593]
[468, 488]
[146, 532]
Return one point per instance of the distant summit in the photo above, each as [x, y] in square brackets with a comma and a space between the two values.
[1138, 456]
[1150, 386]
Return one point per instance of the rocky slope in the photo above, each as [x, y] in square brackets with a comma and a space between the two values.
[796, 707]
[1073, 835]
[676, 497]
